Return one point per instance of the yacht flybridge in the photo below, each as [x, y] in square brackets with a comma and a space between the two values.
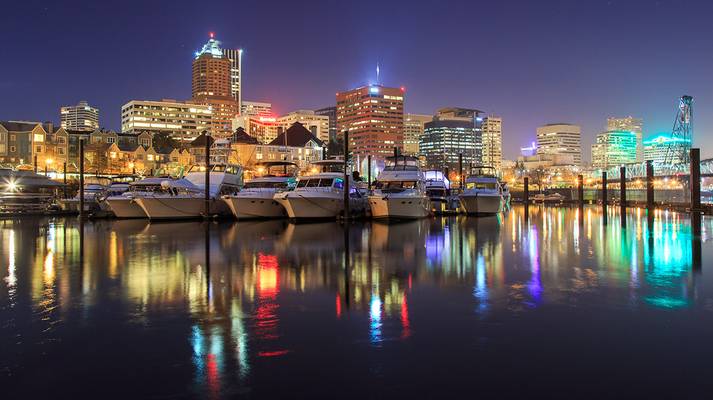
[321, 194]
[400, 190]
[256, 200]
[184, 201]
[483, 193]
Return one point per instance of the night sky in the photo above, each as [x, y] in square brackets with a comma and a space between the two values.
[531, 62]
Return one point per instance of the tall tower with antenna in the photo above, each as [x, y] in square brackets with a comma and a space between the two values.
[682, 134]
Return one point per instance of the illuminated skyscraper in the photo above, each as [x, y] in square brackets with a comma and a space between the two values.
[630, 124]
[614, 148]
[656, 148]
[492, 135]
[374, 116]
[182, 121]
[256, 108]
[212, 86]
[236, 70]
[560, 139]
[413, 130]
[330, 112]
[318, 125]
[81, 117]
[453, 131]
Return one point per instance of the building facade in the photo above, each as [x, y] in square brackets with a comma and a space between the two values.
[81, 117]
[236, 73]
[183, 121]
[656, 148]
[630, 124]
[560, 139]
[331, 113]
[317, 124]
[614, 148]
[492, 134]
[255, 108]
[212, 86]
[374, 116]
[413, 130]
[452, 132]
[262, 128]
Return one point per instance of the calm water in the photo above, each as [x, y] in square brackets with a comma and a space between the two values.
[557, 305]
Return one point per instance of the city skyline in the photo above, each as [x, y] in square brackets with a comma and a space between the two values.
[538, 76]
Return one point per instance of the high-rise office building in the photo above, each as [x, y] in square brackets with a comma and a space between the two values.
[452, 132]
[374, 116]
[256, 108]
[630, 124]
[236, 73]
[492, 134]
[81, 117]
[317, 124]
[212, 86]
[614, 148]
[656, 148]
[413, 130]
[560, 139]
[330, 112]
[183, 121]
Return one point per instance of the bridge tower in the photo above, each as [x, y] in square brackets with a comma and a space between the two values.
[682, 133]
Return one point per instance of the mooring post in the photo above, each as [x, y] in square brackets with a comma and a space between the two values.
[460, 171]
[622, 195]
[324, 153]
[346, 175]
[206, 205]
[35, 163]
[81, 178]
[64, 169]
[649, 184]
[526, 194]
[368, 171]
[604, 189]
[695, 184]
[580, 190]
[396, 153]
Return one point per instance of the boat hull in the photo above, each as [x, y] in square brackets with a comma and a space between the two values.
[399, 207]
[253, 207]
[481, 204]
[311, 205]
[124, 207]
[180, 207]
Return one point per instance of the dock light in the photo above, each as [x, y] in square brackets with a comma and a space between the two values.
[260, 170]
[49, 161]
[11, 186]
[314, 170]
[131, 165]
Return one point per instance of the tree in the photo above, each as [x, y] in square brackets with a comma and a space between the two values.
[162, 140]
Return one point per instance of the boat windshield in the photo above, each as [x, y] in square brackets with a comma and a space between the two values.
[316, 182]
[401, 164]
[265, 185]
[396, 185]
[481, 185]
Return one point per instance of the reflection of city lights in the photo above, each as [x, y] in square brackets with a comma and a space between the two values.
[375, 318]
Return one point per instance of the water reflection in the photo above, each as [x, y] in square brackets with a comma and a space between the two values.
[244, 296]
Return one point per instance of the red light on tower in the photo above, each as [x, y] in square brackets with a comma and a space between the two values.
[211, 34]
[403, 88]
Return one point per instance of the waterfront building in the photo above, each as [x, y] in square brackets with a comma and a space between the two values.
[255, 108]
[630, 124]
[331, 113]
[236, 74]
[22, 141]
[452, 131]
[264, 128]
[374, 116]
[614, 148]
[413, 130]
[81, 117]
[181, 120]
[560, 138]
[297, 144]
[317, 124]
[492, 134]
[656, 148]
[212, 86]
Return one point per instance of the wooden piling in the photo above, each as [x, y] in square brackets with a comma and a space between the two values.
[649, 184]
[81, 177]
[622, 195]
[206, 206]
[346, 175]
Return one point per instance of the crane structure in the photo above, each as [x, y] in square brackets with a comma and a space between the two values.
[679, 147]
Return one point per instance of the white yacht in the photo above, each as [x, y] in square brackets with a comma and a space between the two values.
[184, 201]
[437, 189]
[92, 194]
[400, 190]
[483, 193]
[321, 194]
[123, 205]
[256, 199]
